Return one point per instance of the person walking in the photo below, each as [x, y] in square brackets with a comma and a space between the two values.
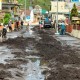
[17, 25]
[10, 26]
[4, 31]
[40, 24]
[1, 28]
[63, 28]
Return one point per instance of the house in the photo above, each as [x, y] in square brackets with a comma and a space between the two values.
[25, 14]
[62, 8]
[10, 6]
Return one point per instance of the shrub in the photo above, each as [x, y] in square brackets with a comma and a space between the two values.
[7, 17]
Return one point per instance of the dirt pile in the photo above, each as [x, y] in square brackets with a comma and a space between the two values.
[63, 61]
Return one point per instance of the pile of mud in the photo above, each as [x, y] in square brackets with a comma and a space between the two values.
[19, 42]
[63, 61]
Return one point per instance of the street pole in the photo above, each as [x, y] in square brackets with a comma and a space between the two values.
[69, 15]
[25, 9]
[57, 19]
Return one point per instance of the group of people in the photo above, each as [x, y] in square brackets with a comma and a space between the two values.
[18, 25]
[61, 26]
[3, 28]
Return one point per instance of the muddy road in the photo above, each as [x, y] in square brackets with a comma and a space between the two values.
[36, 55]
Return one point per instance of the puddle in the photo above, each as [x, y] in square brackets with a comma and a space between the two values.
[32, 57]
[12, 35]
[5, 53]
[29, 32]
[31, 50]
[33, 70]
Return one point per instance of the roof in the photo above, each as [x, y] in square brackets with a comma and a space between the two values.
[27, 12]
[59, 12]
[16, 4]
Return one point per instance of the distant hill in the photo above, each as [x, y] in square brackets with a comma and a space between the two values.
[45, 4]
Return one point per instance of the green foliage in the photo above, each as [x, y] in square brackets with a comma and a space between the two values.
[7, 17]
[74, 12]
[45, 4]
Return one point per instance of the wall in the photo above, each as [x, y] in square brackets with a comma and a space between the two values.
[62, 9]
[61, 6]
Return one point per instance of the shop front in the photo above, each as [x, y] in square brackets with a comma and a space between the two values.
[76, 27]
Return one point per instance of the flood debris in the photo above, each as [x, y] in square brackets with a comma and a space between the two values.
[45, 57]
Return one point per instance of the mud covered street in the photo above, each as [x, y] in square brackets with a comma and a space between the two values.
[37, 55]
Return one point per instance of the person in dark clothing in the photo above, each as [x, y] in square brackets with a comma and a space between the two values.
[17, 25]
[4, 31]
[62, 28]
[21, 24]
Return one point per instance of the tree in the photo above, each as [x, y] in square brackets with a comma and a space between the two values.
[74, 12]
[45, 4]
[7, 17]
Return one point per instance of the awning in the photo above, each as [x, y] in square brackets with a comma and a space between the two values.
[59, 12]
[75, 18]
[44, 11]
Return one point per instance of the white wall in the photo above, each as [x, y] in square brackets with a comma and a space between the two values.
[62, 9]
[61, 6]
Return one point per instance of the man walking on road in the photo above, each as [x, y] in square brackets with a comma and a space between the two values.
[10, 26]
[63, 28]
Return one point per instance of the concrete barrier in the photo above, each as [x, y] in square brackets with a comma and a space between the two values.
[75, 33]
[78, 34]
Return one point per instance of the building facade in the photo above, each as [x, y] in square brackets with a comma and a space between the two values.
[63, 9]
[10, 6]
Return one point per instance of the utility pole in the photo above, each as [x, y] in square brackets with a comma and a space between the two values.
[25, 9]
[57, 19]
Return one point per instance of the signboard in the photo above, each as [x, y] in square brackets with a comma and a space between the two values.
[0, 4]
[75, 0]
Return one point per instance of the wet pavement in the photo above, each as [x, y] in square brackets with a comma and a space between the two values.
[33, 70]
[5, 53]
[68, 40]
